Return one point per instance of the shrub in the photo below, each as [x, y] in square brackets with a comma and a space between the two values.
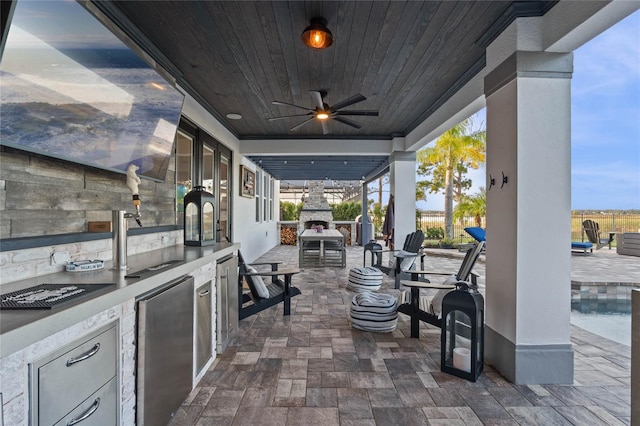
[289, 211]
[346, 211]
[434, 233]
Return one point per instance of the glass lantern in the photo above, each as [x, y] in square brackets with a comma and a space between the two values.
[462, 339]
[199, 220]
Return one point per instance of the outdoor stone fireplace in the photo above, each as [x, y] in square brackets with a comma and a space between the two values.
[315, 208]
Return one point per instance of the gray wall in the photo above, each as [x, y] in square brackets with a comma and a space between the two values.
[44, 196]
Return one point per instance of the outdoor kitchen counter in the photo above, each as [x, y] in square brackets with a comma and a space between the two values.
[21, 328]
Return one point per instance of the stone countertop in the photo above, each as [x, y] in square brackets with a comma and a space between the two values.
[21, 328]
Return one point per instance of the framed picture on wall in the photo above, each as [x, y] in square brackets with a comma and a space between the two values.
[248, 179]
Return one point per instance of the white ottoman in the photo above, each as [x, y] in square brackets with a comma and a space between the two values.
[374, 312]
[366, 278]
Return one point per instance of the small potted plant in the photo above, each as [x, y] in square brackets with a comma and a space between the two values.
[446, 243]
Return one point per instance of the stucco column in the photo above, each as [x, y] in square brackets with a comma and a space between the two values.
[364, 229]
[528, 273]
[402, 181]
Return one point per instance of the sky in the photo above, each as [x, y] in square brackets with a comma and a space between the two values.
[605, 123]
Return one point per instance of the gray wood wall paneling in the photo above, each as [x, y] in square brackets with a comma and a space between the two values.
[43, 196]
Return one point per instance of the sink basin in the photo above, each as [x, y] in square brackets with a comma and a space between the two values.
[153, 269]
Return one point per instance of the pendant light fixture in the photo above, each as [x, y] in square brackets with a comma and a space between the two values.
[317, 35]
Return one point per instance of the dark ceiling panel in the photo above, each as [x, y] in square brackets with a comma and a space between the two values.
[321, 167]
[406, 57]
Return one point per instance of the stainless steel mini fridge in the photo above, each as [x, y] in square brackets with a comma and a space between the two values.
[165, 351]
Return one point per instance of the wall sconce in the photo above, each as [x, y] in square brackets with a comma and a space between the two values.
[492, 181]
[317, 35]
[505, 179]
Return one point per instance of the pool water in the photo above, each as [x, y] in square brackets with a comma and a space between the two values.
[607, 318]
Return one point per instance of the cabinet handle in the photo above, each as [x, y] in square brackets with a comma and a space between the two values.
[203, 293]
[84, 356]
[86, 414]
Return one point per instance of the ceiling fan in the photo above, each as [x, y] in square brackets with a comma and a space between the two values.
[322, 112]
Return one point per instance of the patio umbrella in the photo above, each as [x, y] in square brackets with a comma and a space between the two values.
[387, 225]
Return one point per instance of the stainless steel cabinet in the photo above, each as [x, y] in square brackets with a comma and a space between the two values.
[95, 410]
[67, 383]
[227, 301]
[204, 333]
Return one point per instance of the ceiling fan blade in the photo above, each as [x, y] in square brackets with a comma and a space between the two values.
[369, 113]
[325, 128]
[317, 98]
[349, 101]
[288, 104]
[347, 122]
[290, 116]
[301, 124]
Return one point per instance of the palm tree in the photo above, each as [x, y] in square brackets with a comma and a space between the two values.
[472, 205]
[448, 160]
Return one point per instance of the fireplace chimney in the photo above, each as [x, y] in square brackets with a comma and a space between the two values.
[315, 208]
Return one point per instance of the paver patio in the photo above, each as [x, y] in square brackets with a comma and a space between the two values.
[312, 368]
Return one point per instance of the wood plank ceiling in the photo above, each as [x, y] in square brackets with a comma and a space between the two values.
[405, 57]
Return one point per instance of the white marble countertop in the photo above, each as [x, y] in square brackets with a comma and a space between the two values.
[20, 328]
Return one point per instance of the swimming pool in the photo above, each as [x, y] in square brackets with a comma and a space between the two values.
[609, 318]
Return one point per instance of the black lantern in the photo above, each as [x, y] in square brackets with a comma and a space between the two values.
[199, 220]
[462, 341]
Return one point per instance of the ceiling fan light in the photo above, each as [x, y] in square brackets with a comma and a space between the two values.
[322, 116]
[317, 35]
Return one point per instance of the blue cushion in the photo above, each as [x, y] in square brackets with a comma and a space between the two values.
[479, 234]
[581, 245]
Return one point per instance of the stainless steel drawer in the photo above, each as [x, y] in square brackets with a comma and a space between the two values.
[66, 381]
[99, 409]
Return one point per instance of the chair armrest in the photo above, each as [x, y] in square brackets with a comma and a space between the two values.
[276, 262]
[289, 271]
[420, 284]
[274, 267]
[417, 272]
[383, 251]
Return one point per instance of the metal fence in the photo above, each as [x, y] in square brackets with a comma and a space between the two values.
[432, 224]
[608, 222]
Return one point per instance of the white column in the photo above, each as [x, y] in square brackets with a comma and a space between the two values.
[402, 181]
[528, 275]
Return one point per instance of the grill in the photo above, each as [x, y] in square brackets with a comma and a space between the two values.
[46, 296]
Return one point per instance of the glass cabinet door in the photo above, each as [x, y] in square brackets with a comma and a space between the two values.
[208, 169]
[223, 199]
[184, 171]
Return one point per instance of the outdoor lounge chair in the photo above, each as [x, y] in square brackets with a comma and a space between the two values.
[478, 233]
[427, 309]
[262, 296]
[405, 258]
[592, 229]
